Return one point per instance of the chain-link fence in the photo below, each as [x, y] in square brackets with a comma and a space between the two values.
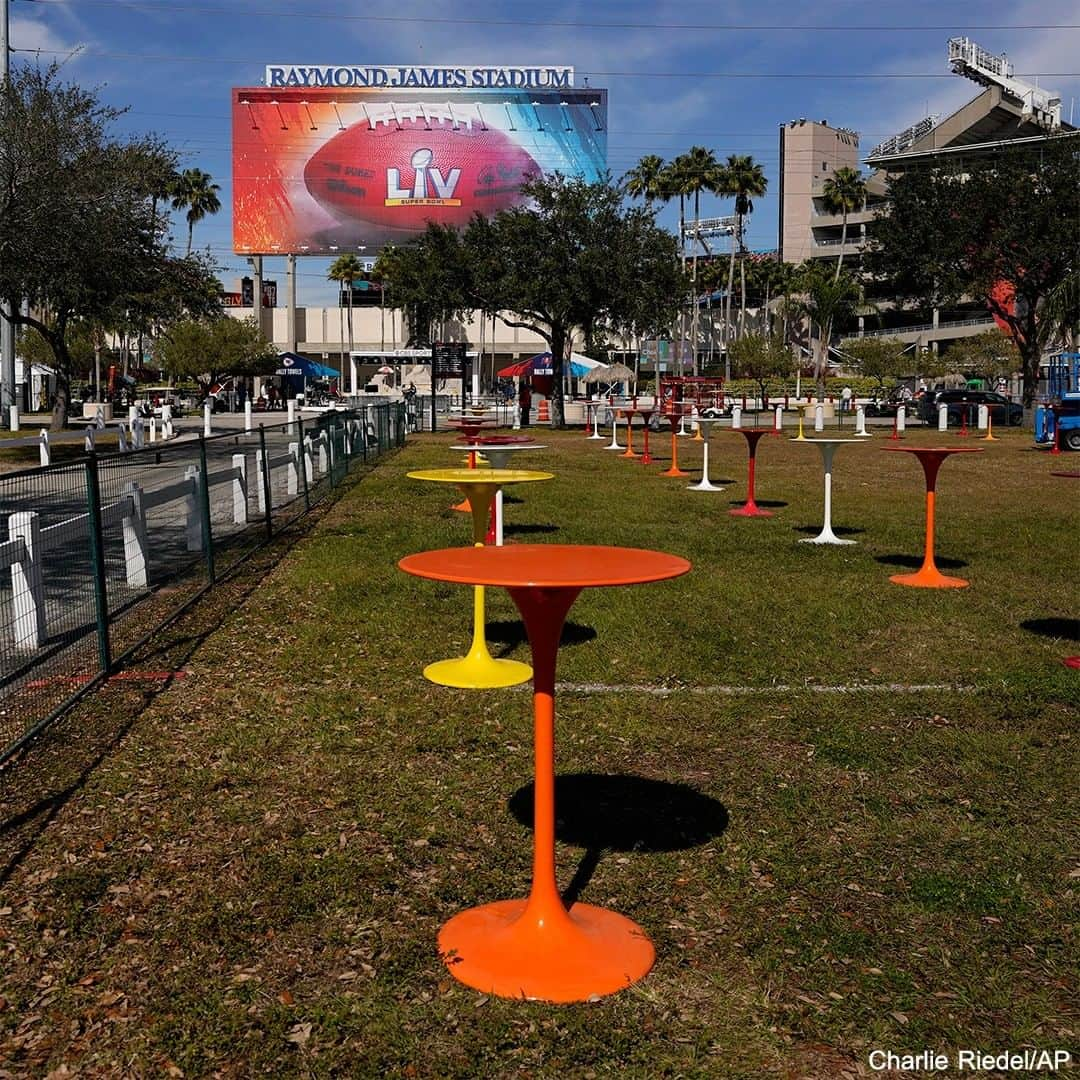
[99, 553]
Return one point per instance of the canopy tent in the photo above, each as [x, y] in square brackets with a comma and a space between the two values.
[580, 366]
[293, 364]
[540, 364]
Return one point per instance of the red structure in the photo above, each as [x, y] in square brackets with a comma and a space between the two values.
[683, 392]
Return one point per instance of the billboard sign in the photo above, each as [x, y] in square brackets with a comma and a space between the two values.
[320, 170]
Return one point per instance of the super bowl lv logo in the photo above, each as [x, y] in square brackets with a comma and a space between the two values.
[425, 174]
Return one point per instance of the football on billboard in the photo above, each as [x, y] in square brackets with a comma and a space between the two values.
[405, 173]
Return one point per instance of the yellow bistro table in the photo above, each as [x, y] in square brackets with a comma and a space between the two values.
[478, 669]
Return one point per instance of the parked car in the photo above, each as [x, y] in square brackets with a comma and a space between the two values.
[961, 402]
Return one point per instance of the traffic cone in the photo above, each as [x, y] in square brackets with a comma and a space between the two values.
[542, 415]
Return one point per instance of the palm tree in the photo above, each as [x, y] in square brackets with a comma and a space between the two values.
[844, 193]
[701, 171]
[826, 301]
[677, 180]
[345, 269]
[745, 180]
[195, 190]
[646, 180]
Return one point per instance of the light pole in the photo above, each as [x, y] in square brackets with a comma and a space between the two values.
[7, 328]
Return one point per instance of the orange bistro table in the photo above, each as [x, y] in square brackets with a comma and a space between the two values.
[928, 576]
[536, 948]
[675, 417]
[630, 412]
[478, 669]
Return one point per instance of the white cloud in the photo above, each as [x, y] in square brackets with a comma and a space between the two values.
[34, 34]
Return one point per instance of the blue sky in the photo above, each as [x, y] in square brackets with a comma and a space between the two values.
[669, 68]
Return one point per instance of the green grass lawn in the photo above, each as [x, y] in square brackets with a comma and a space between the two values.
[844, 811]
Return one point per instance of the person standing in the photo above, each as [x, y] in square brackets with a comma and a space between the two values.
[845, 399]
[525, 402]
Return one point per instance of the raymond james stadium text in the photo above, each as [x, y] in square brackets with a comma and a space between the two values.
[522, 78]
[975, 1060]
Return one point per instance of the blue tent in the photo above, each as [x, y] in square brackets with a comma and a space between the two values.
[294, 365]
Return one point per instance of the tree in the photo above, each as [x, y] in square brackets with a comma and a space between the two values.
[991, 355]
[194, 190]
[744, 180]
[882, 359]
[345, 269]
[702, 174]
[826, 300]
[211, 350]
[646, 180]
[80, 235]
[844, 193]
[761, 357]
[1001, 229]
[575, 259]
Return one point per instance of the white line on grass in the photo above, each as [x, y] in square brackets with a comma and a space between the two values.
[740, 691]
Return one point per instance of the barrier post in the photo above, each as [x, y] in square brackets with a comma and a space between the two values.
[736, 416]
[135, 543]
[90, 439]
[239, 489]
[207, 412]
[265, 495]
[291, 407]
[304, 446]
[901, 421]
[27, 588]
[13, 417]
[193, 530]
[204, 501]
[942, 417]
[247, 416]
[44, 450]
[819, 417]
[860, 422]
[97, 562]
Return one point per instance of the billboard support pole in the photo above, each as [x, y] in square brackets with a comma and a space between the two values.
[290, 290]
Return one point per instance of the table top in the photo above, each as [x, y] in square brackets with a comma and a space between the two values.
[935, 449]
[501, 440]
[552, 566]
[499, 447]
[836, 442]
[497, 477]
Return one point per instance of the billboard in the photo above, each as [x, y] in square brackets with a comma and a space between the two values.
[320, 170]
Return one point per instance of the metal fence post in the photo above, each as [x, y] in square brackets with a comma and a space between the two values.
[264, 479]
[204, 503]
[303, 463]
[330, 435]
[97, 561]
[364, 430]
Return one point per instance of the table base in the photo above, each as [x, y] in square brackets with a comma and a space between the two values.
[703, 485]
[478, 672]
[750, 510]
[1072, 662]
[825, 538]
[499, 949]
[929, 577]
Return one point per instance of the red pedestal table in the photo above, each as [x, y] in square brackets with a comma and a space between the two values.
[478, 669]
[674, 418]
[535, 948]
[470, 428]
[930, 457]
[630, 414]
[751, 508]
[498, 449]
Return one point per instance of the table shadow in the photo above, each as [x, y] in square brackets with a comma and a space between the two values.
[522, 530]
[915, 561]
[1059, 628]
[762, 502]
[511, 633]
[840, 530]
[623, 813]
